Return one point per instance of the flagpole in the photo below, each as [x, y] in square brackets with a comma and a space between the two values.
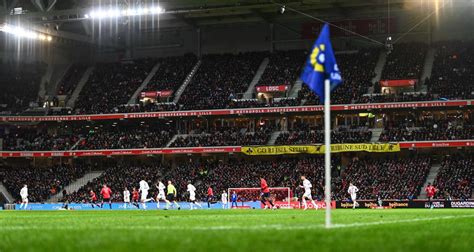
[327, 152]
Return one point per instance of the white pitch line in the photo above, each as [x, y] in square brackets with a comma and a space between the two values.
[243, 228]
[362, 224]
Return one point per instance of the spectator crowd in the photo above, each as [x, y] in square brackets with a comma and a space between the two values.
[220, 78]
[452, 76]
[455, 177]
[127, 139]
[171, 73]
[390, 178]
[405, 61]
[427, 128]
[42, 182]
[117, 177]
[87, 137]
[302, 133]
[39, 138]
[283, 68]
[216, 174]
[19, 85]
[70, 81]
[225, 136]
[111, 85]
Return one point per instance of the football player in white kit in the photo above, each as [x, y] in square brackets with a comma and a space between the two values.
[307, 193]
[24, 197]
[192, 196]
[224, 199]
[161, 194]
[144, 187]
[353, 192]
[126, 198]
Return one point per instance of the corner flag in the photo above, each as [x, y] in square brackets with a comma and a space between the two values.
[321, 65]
[322, 75]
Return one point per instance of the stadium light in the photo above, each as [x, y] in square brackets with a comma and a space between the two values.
[21, 32]
[115, 13]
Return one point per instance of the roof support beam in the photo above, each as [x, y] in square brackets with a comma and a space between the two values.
[38, 4]
[51, 4]
[87, 27]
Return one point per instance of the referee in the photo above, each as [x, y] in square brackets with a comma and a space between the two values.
[171, 195]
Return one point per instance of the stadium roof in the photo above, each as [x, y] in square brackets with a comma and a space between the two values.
[69, 20]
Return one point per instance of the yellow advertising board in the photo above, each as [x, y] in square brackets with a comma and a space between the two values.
[319, 149]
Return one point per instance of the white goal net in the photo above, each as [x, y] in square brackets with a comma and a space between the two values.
[250, 197]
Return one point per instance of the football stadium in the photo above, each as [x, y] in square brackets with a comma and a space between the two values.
[236, 125]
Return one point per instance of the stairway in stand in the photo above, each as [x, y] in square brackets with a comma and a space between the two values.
[76, 185]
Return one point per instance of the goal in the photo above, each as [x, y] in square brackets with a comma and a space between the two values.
[250, 197]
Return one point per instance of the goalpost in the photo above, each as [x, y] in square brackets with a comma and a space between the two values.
[245, 196]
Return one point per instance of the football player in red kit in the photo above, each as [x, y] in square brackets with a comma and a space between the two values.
[430, 193]
[93, 199]
[265, 195]
[135, 197]
[106, 193]
[210, 196]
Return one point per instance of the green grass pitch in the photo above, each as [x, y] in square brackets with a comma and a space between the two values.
[238, 230]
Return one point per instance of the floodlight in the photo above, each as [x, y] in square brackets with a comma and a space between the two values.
[114, 13]
[21, 32]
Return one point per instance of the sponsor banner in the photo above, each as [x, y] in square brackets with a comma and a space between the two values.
[372, 147]
[117, 206]
[90, 153]
[461, 204]
[169, 114]
[362, 204]
[373, 204]
[319, 149]
[297, 205]
[243, 111]
[240, 207]
[280, 88]
[279, 150]
[436, 204]
[154, 94]
[258, 205]
[398, 83]
[248, 150]
[407, 204]
[437, 144]
[401, 105]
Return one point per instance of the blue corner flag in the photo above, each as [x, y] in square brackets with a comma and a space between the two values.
[321, 65]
